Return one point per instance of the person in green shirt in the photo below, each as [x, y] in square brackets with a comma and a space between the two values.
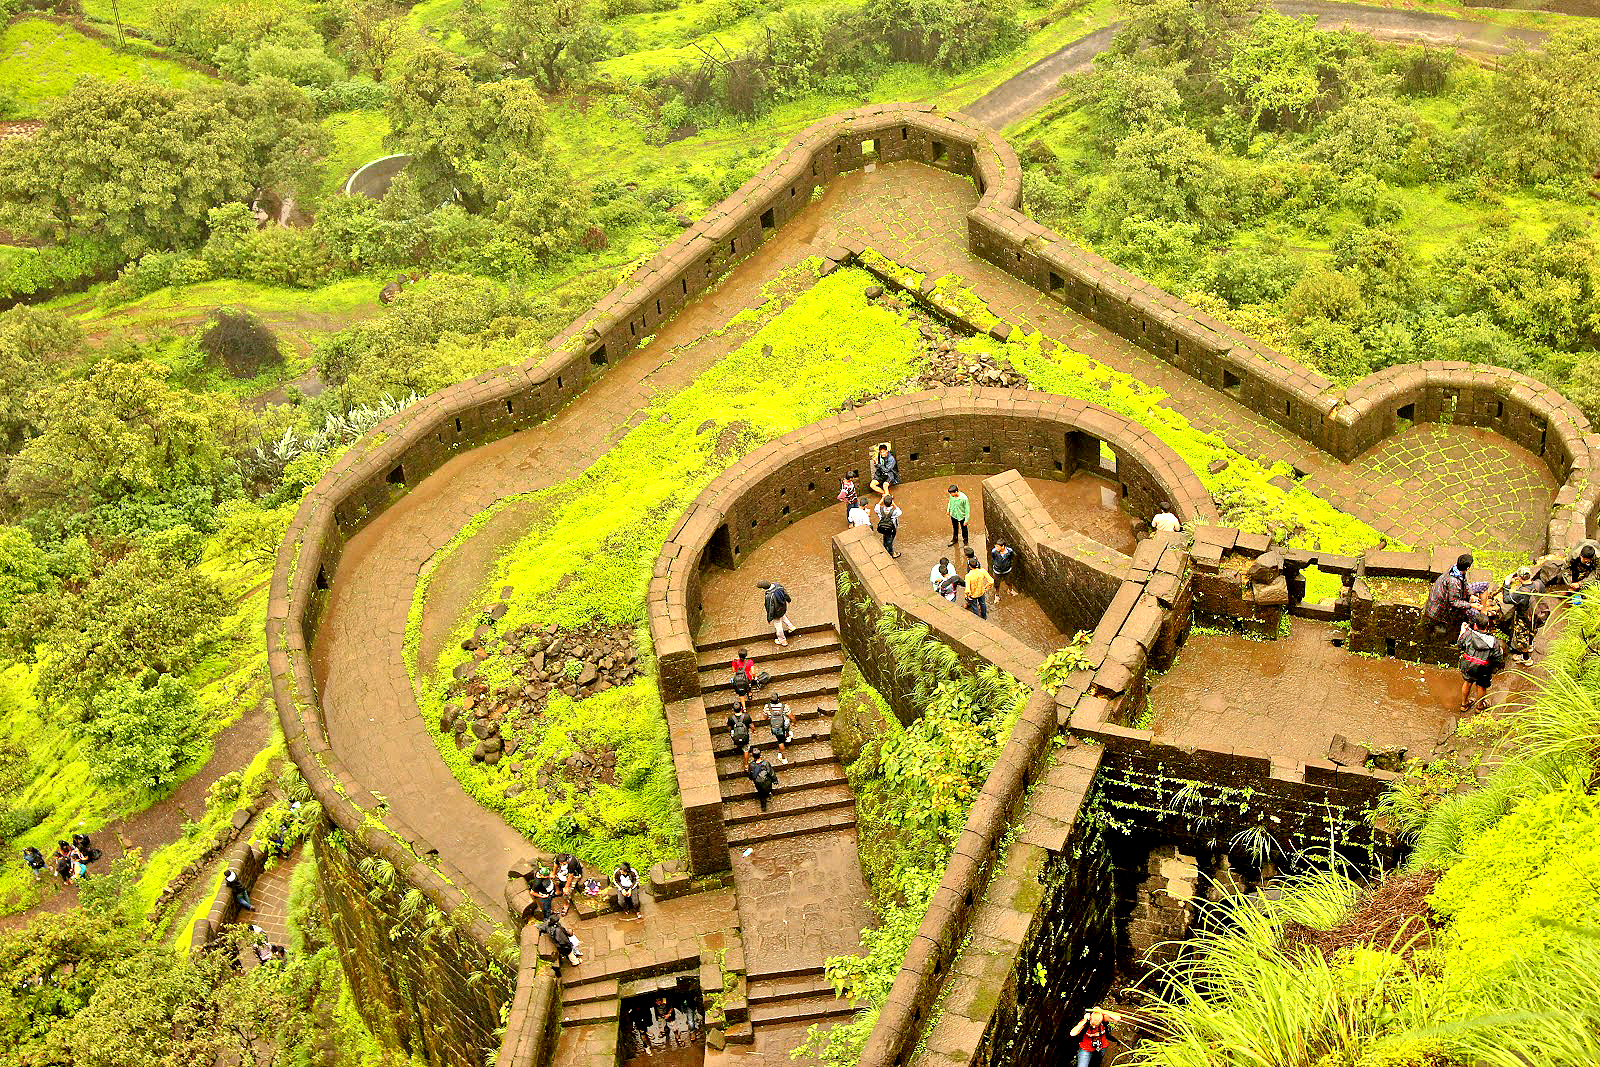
[960, 509]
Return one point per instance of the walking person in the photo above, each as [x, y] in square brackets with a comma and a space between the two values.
[626, 882]
[777, 601]
[944, 579]
[568, 948]
[1482, 654]
[782, 727]
[849, 495]
[978, 584]
[885, 471]
[762, 776]
[1096, 1035]
[1450, 599]
[35, 861]
[85, 847]
[1002, 560]
[888, 524]
[960, 509]
[241, 895]
[739, 723]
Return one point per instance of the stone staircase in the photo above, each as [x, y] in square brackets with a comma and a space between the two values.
[813, 795]
[798, 995]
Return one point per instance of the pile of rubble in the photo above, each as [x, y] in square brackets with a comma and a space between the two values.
[943, 364]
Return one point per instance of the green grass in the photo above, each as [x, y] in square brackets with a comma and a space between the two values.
[42, 60]
[346, 296]
[357, 139]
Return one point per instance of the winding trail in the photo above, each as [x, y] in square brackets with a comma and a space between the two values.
[1028, 92]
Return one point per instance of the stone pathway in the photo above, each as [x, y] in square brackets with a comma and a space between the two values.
[913, 214]
[270, 895]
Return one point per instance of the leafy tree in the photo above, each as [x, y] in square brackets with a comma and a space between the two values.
[241, 342]
[1125, 94]
[1547, 291]
[555, 41]
[151, 610]
[144, 730]
[24, 568]
[140, 164]
[35, 347]
[1539, 115]
[123, 429]
[371, 34]
[460, 134]
[1280, 68]
[1168, 174]
[949, 34]
[540, 210]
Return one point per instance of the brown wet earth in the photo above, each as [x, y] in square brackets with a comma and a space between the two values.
[1288, 697]
[801, 557]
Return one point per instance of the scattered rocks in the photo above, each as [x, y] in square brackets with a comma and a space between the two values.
[1217, 466]
[874, 291]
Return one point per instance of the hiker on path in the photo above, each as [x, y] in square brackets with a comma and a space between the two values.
[762, 776]
[782, 727]
[241, 895]
[888, 516]
[35, 861]
[1002, 560]
[544, 891]
[85, 848]
[739, 723]
[849, 495]
[944, 579]
[960, 509]
[1165, 521]
[741, 684]
[626, 881]
[777, 601]
[978, 584]
[569, 872]
[885, 471]
[1482, 654]
[567, 947]
[1450, 598]
[1096, 1035]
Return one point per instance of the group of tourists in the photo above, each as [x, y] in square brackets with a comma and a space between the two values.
[973, 583]
[70, 861]
[559, 884]
[674, 1020]
[1482, 617]
[779, 721]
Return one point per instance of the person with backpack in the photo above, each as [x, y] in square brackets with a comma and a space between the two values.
[566, 942]
[782, 727]
[544, 892]
[85, 847]
[35, 861]
[741, 689]
[885, 471]
[776, 600]
[739, 723]
[888, 523]
[1482, 654]
[1096, 1035]
[762, 776]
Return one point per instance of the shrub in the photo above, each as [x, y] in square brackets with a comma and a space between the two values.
[143, 731]
[58, 268]
[18, 819]
[241, 342]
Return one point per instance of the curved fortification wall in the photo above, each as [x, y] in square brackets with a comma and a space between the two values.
[414, 984]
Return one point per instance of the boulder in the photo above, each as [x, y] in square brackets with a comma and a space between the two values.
[588, 675]
[1392, 758]
[1268, 594]
[1217, 466]
[1266, 567]
[874, 291]
[482, 729]
[1345, 754]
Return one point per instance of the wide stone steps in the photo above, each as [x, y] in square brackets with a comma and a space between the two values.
[792, 780]
[590, 1012]
[806, 636]
[587, 992]
[825, 796]
[813, 744]
[718, 677]
[815, 1008]
[769, 657]
[796, 692]
[774, 826]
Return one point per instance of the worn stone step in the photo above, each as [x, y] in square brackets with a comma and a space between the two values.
[587, 992]
[740, 1034]
[590, 1012]
[805, 750]
[799, 717]
[818, 689]
[718, 678]
[809, 1009]
[769, 657]
[794, 779]
[787, 801]
[807, 983]
[801, 819]
[809, 634]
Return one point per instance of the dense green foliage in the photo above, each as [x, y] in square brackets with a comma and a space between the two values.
[1311, 186]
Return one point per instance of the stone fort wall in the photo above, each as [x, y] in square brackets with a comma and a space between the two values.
[406, 448]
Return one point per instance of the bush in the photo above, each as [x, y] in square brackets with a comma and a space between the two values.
[18, 819]
[60, 268]
[241, 342]
[143, 731]
[349, 96]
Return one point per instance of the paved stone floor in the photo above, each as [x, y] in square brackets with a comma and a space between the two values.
[270, 895]
[801, 900]
[912, 214]
[1292, 695]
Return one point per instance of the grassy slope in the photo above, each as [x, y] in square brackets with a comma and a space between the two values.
[42, 59]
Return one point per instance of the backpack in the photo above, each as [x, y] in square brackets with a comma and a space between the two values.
[765, 775]
[740, 729]
[887, 525]
[778, 718]
[741, 683]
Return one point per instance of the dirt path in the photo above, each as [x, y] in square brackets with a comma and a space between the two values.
[1028, 92]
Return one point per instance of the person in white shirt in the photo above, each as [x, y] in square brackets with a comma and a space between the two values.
[943, 578]
[859, 516]
[1165, 521]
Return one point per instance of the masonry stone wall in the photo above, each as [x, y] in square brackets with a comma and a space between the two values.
[430, 990]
